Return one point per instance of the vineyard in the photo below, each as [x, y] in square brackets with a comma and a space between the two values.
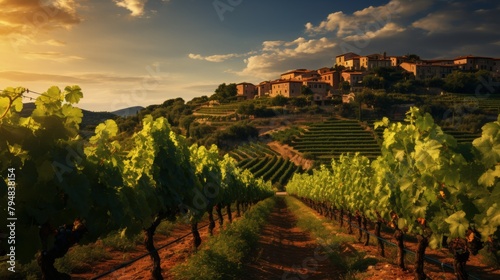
[65, 189]
[330, 139]
[265, 163]
[67, 194]
[414, 188]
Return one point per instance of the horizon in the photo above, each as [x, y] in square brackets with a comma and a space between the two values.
[125, 53]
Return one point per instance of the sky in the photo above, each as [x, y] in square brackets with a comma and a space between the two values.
[124, 53]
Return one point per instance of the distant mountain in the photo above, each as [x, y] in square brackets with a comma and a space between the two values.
[130, 111]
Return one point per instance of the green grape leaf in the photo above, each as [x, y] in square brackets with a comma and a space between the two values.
[488, 178]
[458, 224]
[425, 123]
[53, 94]
[435, 241]
[73, 94]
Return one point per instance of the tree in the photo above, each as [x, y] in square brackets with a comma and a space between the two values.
[279, 100]
[413, 57]
[224, 93]
[298, 102]
[460, 82]
[246, 109]
[305, 90]
[373, 82]
[345, 86]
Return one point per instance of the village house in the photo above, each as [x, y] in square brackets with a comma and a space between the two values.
[474, 63]
[423, 70]
[372, 61]
[246, 90]
[340, 60]
[300, 74]
[355, 79]
[319, 89]
[264, 88]
[286, 88]
[332, 78]
[325, 80]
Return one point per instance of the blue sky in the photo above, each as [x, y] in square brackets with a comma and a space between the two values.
[140, 52]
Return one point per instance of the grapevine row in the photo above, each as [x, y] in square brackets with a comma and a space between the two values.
[421, 184]
[108, 182]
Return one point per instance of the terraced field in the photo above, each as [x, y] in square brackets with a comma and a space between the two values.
[488, 103]
[228, 109]
[264, 162]
[331, 138]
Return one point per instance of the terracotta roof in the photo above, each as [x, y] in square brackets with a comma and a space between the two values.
[351, 53]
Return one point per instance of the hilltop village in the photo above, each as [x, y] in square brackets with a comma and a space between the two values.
[350, 69]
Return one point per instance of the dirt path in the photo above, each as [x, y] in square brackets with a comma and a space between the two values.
[285, 251]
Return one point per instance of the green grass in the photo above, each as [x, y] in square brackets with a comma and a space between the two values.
[341, 254]
[221, 257]
[122, 243]
[81, 258]
[29, 271]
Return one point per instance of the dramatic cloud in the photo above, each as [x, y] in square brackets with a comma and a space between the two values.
[28, 17]
[136, 7]
[457, 18]
[369, 19]
[398, 27]
[276, 56]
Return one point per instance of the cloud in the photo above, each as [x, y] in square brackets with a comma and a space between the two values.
[55, 43]
[28, 17]
[205, 89]
[276, 56]
[395, 27]
[218, 57]
[457, 18]
[136, 7]
[368, 19]
[77, 78]
[54, 56]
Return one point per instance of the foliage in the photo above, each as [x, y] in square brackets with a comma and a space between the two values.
[298, 102]
[224, 93]
[373, 82]
[288, 135]
[223, 254]
[416, 179]
[344, 86]
[305, 90]
[279, 100]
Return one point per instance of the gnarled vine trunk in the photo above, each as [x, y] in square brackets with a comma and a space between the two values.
[423, 242]
[229, 213]
[341, 217]
[461, 255]
[399, 236]
[149, 243]
[65, 238]
[360, 229]
[238, 211]
[349, 222]
[365, 228]
[218, 209]
[211, 222]
[196, 235]
[381, 248]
